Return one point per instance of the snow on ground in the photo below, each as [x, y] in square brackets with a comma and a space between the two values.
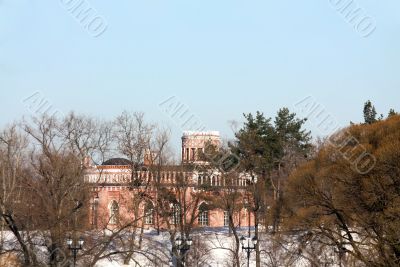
[212, 247]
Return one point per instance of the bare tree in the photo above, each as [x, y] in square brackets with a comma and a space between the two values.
[54, 180]
[133, 137]
[12, 156]
[159, 156]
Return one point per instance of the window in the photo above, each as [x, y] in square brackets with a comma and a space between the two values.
[200, 154]
[176, 210]
[244, 215]
[203, 215]
[114, 212]
[192, 155]
[226, 218]
[95, 203]
[148, 213]
[203, 218]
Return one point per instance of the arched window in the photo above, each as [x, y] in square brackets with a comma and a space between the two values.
[114, 212]
[176, 210]
[148, 212]
[203, 214]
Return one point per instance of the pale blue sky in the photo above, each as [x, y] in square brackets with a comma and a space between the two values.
[221, 58]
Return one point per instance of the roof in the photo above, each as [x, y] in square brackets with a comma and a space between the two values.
[200, 133]
[117, 161]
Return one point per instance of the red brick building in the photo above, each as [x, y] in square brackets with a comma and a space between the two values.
[123, 192]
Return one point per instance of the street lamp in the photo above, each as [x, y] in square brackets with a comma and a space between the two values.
[75, 248]
[249, 246]
[183, 246]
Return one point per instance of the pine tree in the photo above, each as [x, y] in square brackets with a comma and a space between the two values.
[392, 113]
[257, 147]
[294, 145]
[289, 130]
[256, 143]
[270, 151]
[369, 113]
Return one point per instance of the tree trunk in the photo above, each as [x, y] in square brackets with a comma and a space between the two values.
[258, 255]
[14, 229]
[232, 229]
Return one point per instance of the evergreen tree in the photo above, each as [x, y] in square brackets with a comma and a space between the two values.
[256, 145]
[392, 113]
[369, 113]
[294, 146]
[270, 151]
[289, 130]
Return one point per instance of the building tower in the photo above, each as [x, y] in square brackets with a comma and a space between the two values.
[194, 144]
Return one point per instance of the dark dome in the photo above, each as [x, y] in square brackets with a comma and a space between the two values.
[117, 161]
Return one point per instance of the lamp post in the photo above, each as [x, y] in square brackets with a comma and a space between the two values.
[248, 246]
[182, 245]
[75, 247]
